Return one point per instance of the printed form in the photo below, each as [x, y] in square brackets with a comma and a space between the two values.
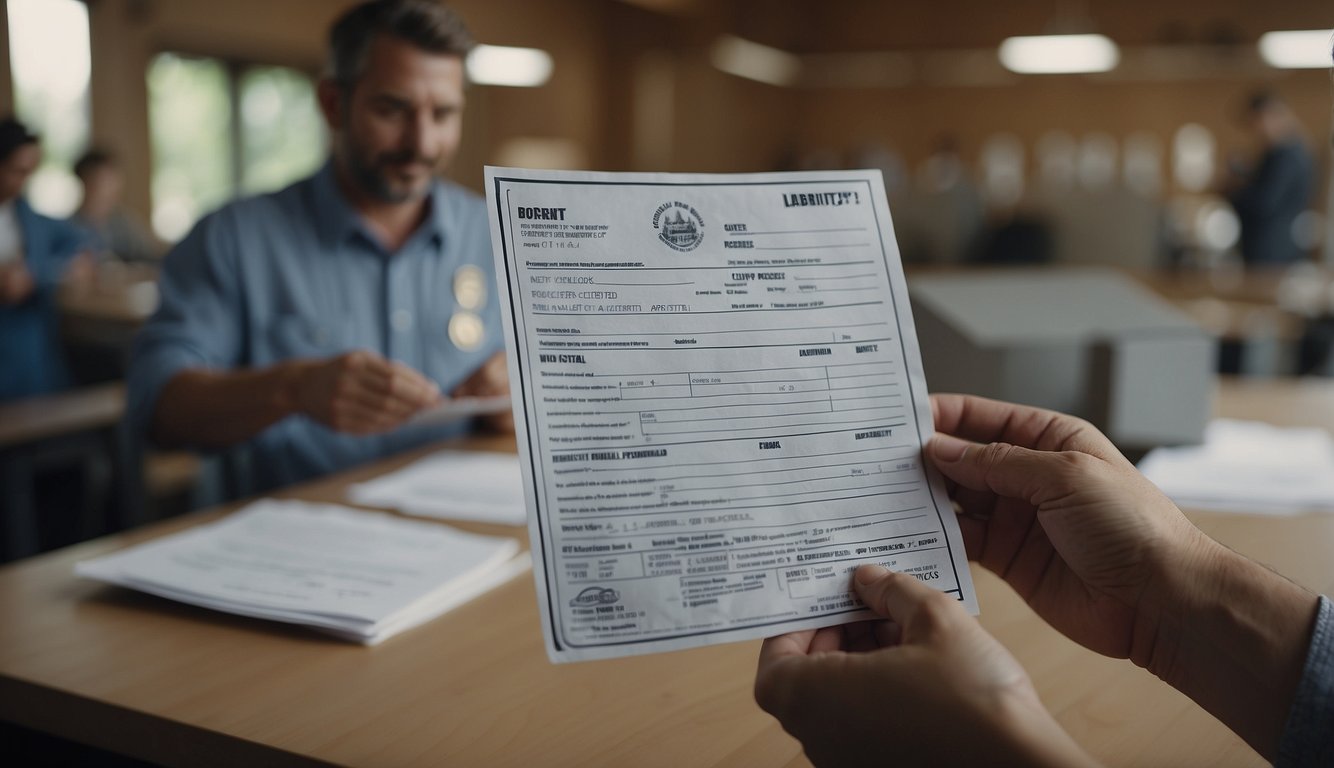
[719, 404]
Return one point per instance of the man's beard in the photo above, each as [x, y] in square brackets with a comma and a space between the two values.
[375, 176]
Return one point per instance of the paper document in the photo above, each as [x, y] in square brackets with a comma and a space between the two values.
[1247, 466]
[720, 404]
[458, 485]
[455, 408]
[360, 575]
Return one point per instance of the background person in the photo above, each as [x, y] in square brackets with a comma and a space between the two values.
[311, 324]
[1278, 188]
[36, 253]
[1049, 504]
[110, 230]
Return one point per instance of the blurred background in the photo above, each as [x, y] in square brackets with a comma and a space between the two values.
[1103, 132]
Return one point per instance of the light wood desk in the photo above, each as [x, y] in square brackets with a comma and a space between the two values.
[180, 685]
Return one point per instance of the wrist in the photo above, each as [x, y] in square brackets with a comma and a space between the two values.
[1232, 635]
[290, 378]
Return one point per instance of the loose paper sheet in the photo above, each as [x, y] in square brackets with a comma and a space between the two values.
[455, 408]
[720, 404]
[1248, 467]
[457, 485]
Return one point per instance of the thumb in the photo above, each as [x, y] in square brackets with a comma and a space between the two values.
[1008, 470]
[895, 596]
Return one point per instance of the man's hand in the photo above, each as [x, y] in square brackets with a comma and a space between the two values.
[926, 686]
[1049, 504]
[16, 284]
[491, 379]
[359, 392]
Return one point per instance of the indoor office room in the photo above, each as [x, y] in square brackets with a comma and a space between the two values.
[361, 363]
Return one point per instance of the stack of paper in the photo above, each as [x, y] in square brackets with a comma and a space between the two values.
[485, 487]
[1248, 467]
[360, 575]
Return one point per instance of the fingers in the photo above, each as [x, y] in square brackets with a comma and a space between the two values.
[992, 421]
[1010, 470]
[364, 393]
[922, 613]
[492, 378]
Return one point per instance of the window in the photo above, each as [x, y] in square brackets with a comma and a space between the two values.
[281, 128]
[220, 130]
[50, 57]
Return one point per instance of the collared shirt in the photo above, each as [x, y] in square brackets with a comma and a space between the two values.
[31, 359]
[296, 274]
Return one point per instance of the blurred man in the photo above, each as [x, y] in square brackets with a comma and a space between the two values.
[313, 323]
[110, 230]
[35, 252]
[1279, 188]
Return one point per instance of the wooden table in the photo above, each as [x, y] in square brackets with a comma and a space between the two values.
[179, 685]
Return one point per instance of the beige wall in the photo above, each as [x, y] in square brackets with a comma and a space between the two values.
[710, 121]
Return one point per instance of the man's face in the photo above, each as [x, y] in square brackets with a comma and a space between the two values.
[15, 170]
[401, 122]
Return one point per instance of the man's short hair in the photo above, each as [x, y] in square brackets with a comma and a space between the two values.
[426, 24]
[1263, 100]
[93, 160]
[13, 135]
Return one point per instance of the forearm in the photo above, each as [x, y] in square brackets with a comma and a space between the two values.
[1233, 637]
[216, 409]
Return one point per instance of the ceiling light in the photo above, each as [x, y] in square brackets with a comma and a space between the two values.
[504, 65]
[1059, 54]
[1297, 49]
[754, 61]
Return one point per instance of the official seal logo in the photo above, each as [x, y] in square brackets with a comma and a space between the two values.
[679, 225]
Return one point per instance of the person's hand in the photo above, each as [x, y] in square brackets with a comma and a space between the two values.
[490, 380]
[360, 392]
[926, 686]
[81, 272]
[16, 284]
[1048, 503]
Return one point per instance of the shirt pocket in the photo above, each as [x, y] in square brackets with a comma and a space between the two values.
[294, 336]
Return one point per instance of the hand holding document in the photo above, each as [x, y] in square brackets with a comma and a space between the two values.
[719, 404]
[358, 575]
[1246, 466]
[457, 485]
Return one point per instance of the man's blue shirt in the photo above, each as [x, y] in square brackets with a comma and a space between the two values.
[296, 274]
[31, 359]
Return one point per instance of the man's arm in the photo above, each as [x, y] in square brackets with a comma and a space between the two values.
[358, 393]
[1050, 505]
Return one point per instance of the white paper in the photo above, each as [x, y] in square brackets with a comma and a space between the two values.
[360, 575]
[455, 408]
[459, 485]
[719, 401]
[1246, 466]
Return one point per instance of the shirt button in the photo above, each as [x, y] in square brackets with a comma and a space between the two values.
[401, 320]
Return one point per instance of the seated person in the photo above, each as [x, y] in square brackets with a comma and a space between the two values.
[111, 231]
[36, 252]
[1050, 505]
[311, 324]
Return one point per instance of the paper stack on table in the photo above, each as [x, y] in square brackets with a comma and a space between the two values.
[359, 575]
[1246, 466]
[460, 485]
